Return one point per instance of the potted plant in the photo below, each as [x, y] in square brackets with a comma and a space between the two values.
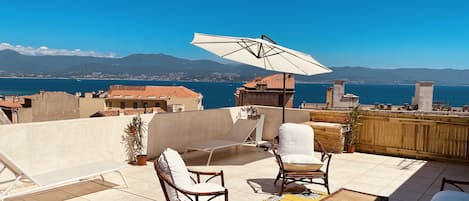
[133, 140]
[354, 126]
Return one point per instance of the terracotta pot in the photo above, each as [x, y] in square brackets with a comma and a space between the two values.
[351, 148]
[142, 159]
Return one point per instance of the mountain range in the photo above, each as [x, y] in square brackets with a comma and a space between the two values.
[166, 67]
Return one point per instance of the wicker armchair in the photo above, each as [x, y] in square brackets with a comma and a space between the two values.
[176, 189]
[306, 167]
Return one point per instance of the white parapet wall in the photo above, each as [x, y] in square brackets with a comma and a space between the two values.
[45, 146]
[273, 119]
[177, 130]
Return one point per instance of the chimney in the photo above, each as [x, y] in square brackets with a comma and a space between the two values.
[423, 98]
[337, 92]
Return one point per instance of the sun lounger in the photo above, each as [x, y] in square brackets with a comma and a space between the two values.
[239, 134]
[55, 178]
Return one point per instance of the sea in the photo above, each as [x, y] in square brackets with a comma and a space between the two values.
[221, 94]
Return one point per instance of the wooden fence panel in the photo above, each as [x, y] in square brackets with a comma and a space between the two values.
[416, 135]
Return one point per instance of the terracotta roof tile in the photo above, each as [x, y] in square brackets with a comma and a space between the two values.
[273, 82]
[10, 104]
[105, 113]
[157, 92]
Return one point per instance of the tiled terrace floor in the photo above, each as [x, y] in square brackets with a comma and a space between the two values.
[249, 176]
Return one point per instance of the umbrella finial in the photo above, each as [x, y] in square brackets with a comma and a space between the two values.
[265, 37]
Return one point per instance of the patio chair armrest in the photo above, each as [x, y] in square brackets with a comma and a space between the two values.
[187, 193]
[454, 183]
[277, 156]
[214, 174]
[324, 153]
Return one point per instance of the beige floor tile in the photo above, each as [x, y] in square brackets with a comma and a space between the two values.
[109, 194]
[249, 175]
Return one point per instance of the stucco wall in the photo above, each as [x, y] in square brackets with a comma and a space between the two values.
[273, 119]
[190, 104]
[48, 106]
[177, 130]
[90, 105]
[45, 146]
[25, 115]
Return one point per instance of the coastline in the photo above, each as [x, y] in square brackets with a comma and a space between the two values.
[204, 81]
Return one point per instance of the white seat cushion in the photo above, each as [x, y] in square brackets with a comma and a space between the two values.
[450, 195]
[205, 188]
[295, 139]
[300, 162]
[174, 167]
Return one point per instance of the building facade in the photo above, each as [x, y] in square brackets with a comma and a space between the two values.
[266, 91]
[152, 98]
[91, 103]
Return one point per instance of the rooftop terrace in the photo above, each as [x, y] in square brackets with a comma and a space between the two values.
[250, 174]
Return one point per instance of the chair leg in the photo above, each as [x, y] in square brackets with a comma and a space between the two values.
[123, 178]
[284, 184]
[278, 177]
[209, 158]
[326, 183]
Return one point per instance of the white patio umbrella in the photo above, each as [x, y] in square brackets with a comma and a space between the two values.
[263, 53]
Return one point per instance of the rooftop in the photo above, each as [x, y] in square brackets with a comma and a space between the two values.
[249, 175]
[272, 81]
[155, 92]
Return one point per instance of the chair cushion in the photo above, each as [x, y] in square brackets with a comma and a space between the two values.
[450, 195]
[299, 162]
[295, 139]
[173, 166]
[205, 188]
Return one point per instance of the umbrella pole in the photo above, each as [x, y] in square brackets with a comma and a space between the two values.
[284, 98]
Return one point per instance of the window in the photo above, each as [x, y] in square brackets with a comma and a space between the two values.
[157, 104]
[135, 105]
[122, 105]
[109, 104]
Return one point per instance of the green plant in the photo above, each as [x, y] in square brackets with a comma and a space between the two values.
[354, 126]
[133, 138]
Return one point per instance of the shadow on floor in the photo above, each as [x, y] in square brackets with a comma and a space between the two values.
[67, 192]
[240, 155]
[267, 186]
[426, 181]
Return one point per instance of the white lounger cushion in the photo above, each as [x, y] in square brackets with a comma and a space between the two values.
[214, 144]
[295, 139]
[174, 167]
[450, 196]
[77, 173]
[299, 162]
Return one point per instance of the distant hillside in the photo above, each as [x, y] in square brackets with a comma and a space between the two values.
[165, 67]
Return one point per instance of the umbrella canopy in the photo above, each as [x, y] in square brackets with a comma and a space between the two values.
[263, 53]
[260, 52]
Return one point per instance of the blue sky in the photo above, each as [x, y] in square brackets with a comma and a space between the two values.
[371, 33]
